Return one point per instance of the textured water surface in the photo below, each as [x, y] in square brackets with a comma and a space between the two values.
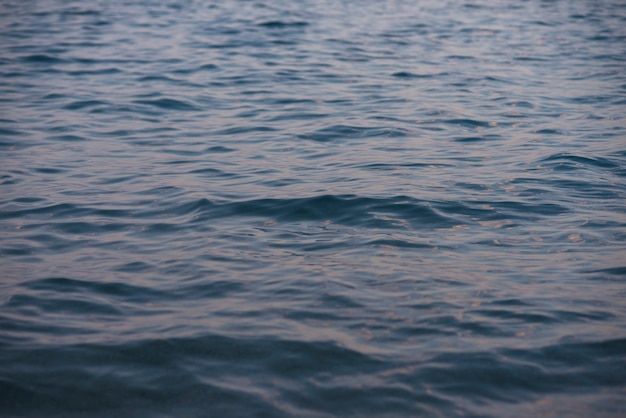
[312, 208]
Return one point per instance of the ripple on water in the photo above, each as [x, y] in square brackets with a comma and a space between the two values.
[312, 209]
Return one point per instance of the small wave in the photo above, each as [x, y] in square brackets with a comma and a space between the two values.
[61, 209]
[550, 132]
[42, 59]
[611, 272]
[169, 104]
[203, 67]
[343, 132]
[280, 24]
[347, 210]
[114, 291]
[244, 130]
[101, 71]
[65, 303]
[67, 138]
[83, 104]
[563, 159]
[406, 74]
[467, 123]
[11, 132]
[478, 138]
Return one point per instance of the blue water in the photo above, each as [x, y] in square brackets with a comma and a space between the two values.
[312, 208]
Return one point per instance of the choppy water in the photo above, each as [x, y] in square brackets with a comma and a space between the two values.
[312, 208]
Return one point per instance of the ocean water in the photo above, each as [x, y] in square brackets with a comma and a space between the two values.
[312, 208]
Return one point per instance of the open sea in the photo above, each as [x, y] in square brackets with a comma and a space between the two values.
[312, 208]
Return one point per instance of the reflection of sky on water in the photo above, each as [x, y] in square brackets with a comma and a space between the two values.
[418, 203]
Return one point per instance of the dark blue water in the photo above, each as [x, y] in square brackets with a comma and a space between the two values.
[312, 208]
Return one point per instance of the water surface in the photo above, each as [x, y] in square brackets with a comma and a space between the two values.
[312, 208]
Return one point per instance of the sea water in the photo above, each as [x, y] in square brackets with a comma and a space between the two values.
[311, 208]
